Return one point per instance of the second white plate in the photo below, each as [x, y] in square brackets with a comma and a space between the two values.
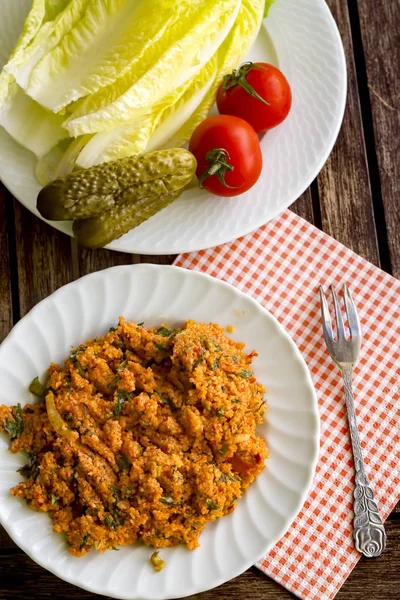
[228, 546]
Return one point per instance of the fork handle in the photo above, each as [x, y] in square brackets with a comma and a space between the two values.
[369, 532]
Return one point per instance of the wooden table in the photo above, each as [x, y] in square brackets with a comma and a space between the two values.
[355, 199]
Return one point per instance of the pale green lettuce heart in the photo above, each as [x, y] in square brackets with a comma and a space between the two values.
[153, 128]
[268, 4]
[24, 119]
[46, 165]
[184, 109]
[31, 26]
[155, 35]
[119, 77]
[236, 45]
[49, 36]
[197, 39]
[32, 126]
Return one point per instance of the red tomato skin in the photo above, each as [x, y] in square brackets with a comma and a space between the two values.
[271, 84]
[239, 139]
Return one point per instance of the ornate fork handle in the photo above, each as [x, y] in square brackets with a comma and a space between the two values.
[369, 532]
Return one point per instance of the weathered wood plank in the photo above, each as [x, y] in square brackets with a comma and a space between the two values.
[6, 313]
[157, 260]
[6, 541]
[381, 45]
[304, 207]
[21, 578]
[344, 190]
[378, 578]
[90, 261]
[44, 258]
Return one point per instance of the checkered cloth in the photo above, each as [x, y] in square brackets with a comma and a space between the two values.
[282, 265]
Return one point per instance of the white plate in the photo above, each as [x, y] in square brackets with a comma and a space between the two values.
[154, 294]
[302, 38]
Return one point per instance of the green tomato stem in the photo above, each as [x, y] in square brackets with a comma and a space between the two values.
[238, 77]
[217, 165]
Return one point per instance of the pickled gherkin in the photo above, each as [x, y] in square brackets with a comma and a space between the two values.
[92, 192]
[99, 231]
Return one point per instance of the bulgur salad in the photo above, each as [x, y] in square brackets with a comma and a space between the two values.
[144, 434]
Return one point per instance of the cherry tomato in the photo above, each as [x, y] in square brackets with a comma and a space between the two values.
[259, 93]
[228, 155]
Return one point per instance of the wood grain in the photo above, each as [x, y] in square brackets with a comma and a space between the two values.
[90, 261]
[158, 260]
[44, 258]
[5, 541]
[304, 207]
[6, 313]
[343, 184]
[378, 579]
[381, 46]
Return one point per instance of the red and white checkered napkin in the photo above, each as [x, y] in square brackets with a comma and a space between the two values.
[282, 265]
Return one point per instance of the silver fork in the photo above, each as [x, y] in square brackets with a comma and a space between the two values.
[369, 532]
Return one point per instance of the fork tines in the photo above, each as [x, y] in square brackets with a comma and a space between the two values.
[341, 348]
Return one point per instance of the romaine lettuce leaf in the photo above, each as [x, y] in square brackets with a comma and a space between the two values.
[29, 123]
[24, 119]
[268, 4]
[115, 37]
[184, 109]
[91, 81]
[92, 54]
[155, 34]
[176, 115]
[5, 81]
[68, 161]
[60, 160]
[54, 7]
[31, 26]
[46, 165]
[237, 44]
[48, 37]
[133, 138]
[198, 37]
[125, 140]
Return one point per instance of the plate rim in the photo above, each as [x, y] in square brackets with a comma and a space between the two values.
[116, 246]
[314, 411]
